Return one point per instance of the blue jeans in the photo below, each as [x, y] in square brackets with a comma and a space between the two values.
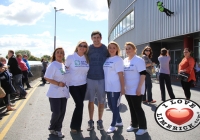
[17, 82]
[112, 102]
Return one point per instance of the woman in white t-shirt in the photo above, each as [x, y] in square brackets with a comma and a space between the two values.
[58, 92]
[78, 66]
[134, 75]
[114, 83]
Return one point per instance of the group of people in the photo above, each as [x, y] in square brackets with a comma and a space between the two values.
[97, 71]
[13, 77]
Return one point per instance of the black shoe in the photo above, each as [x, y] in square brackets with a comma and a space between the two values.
[100, 125]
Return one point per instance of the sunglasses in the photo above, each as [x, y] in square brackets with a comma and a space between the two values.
[147, 50]
[82, 46]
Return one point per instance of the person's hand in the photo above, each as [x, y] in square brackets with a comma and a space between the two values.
[138, 91]
[122, 91]
[181, 71]
[61, 84]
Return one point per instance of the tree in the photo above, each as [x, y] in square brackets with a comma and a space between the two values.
[22, 52]
[46, 57]
[33, 58]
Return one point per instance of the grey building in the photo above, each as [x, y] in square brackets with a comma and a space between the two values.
[140, 22]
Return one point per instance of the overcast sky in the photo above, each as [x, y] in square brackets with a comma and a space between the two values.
[30, 24]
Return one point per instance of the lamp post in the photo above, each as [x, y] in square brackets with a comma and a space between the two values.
[55, 27]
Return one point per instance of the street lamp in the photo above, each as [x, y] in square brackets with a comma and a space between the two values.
[55, 27]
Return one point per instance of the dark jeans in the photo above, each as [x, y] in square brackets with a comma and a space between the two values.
[78, 94]
[137, 114]
[167, 12]
[186, 87]
[43, 79]
[148, 88]
[165, 79]
[25, 79]
[17, 83]
[112, 101]
[58, 108]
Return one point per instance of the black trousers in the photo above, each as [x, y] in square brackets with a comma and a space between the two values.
[25, 79]
[58, 108]
[167, 12]
[78, 94]
[137, 114]
[148, 88]
[165, 79]
[186, 87]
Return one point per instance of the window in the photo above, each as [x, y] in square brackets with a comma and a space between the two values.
[128, 21]
[124, 25]
[132, 19]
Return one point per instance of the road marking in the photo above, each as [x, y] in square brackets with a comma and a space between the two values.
[17, 112]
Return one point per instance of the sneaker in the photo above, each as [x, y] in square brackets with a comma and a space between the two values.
[111, 129]
[60, 134]
[130, 129]
[90, 125]
[141, 131]
[119, 124]
[53, 132]
[100, 125]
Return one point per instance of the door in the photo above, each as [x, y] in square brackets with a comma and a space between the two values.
[176, 58]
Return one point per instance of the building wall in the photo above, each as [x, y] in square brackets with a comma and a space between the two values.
[150, 24]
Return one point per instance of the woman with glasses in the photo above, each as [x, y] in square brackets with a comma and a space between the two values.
[134, 77]
[147, 55]
[187, 66]
[78, 66]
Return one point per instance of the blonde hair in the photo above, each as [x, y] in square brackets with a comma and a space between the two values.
[118, 48]
[85, 53]
[18, 55]
[132, 45]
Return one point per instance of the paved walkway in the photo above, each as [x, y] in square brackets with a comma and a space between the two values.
[31, 119]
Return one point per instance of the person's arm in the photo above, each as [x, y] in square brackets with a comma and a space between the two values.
[121, 79]
[167, 52]
[60, 84]
[142, 78]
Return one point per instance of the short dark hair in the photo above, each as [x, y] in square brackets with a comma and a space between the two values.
[11, 51]
[163, 51]
[96, 32]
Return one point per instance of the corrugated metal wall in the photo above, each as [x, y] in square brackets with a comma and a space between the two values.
[152, 25]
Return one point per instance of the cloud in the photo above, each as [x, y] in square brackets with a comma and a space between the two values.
[94, 10]
[37, 46]
[22, 12]
[46, 34]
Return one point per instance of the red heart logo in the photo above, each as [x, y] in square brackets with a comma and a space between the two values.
[179, 116]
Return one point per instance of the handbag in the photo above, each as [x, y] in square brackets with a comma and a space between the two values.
[30, 74]
[2, 93]
[183, 76]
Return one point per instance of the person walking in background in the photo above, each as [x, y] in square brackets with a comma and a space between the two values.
[16, 73]
[6, 84]
[78, 66]
[58, 77]
[164, 77]
[97, 55]
[24, 69]
[114, 83]
[187, 66]
[197, 71]
[147, 55]
[44, 67]
[134, 75]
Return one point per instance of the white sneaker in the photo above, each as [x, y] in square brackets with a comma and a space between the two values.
[53, 132]
[141, 131]
[60, 134]
[119, 124]
[111, 129]
[130, 129]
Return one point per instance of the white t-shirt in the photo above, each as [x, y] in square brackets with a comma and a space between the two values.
[58, 72]
[111, 67]
[78, 68]
[132, 76]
